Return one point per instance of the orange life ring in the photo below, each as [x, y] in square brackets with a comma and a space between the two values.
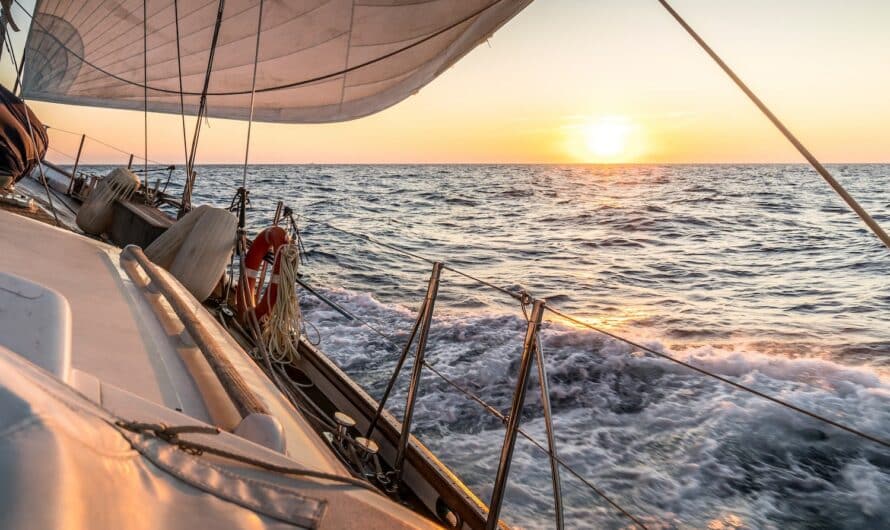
[272, 239]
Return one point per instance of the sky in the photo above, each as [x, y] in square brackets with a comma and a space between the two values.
[587, 81]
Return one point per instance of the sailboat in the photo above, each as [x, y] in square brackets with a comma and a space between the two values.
[154, 372]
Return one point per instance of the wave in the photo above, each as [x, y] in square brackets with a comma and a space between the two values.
[672, 445]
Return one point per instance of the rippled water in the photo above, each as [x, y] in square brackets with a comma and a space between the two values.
[758, 273]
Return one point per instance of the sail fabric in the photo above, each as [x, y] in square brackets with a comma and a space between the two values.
[91, 53]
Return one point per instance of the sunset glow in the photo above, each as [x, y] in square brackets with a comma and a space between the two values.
[572, 81]
[607, 139]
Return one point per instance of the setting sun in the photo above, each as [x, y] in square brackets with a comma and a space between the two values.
[607, 138]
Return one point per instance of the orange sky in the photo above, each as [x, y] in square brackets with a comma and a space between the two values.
[589, 81]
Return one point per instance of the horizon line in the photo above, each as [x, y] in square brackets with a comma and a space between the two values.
[604, 164]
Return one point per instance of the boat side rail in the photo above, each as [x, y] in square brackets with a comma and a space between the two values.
[535, 350]
[78, 183]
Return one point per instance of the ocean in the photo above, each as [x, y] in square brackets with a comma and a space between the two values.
[758, 273]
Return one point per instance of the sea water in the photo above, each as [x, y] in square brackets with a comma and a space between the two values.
[758, 273]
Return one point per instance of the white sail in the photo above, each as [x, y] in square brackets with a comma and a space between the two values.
[319, 60]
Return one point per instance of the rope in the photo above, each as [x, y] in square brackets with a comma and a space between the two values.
[851, 202]
[281, 331]
[276, 87]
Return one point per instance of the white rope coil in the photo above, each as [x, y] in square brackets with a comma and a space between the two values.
[281, 329]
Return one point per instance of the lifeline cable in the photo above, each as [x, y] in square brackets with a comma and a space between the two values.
[106, 144]
[702, 371]
[728, 381]
[496, 413]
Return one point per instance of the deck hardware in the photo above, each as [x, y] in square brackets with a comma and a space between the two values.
[525, 365]
[424, 316]
[76, 163]
[367, 451]
[344, 423]
[544, 386]
[130, 163]
[447, 515]
[422, 326]
[277, 217]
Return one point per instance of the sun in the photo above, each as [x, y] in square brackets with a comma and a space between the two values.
[607, 138]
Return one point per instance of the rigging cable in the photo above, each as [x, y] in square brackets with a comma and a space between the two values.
[256, 58]
[851, 202]
[185, 143]
[637, 345]
[186, 204]
[145, 88]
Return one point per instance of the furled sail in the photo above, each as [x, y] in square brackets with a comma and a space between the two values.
[319, 60]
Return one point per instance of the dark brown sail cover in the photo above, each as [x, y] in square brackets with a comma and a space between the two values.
[19, 153]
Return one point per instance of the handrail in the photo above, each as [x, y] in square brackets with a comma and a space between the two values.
[245, 401]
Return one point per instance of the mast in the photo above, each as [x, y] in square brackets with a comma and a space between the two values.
[202, 110]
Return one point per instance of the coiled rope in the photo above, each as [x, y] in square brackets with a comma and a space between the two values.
[281, 330]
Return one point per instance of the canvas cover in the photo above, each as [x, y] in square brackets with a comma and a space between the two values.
[90, 52]
[19, 152]
[66, 463]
